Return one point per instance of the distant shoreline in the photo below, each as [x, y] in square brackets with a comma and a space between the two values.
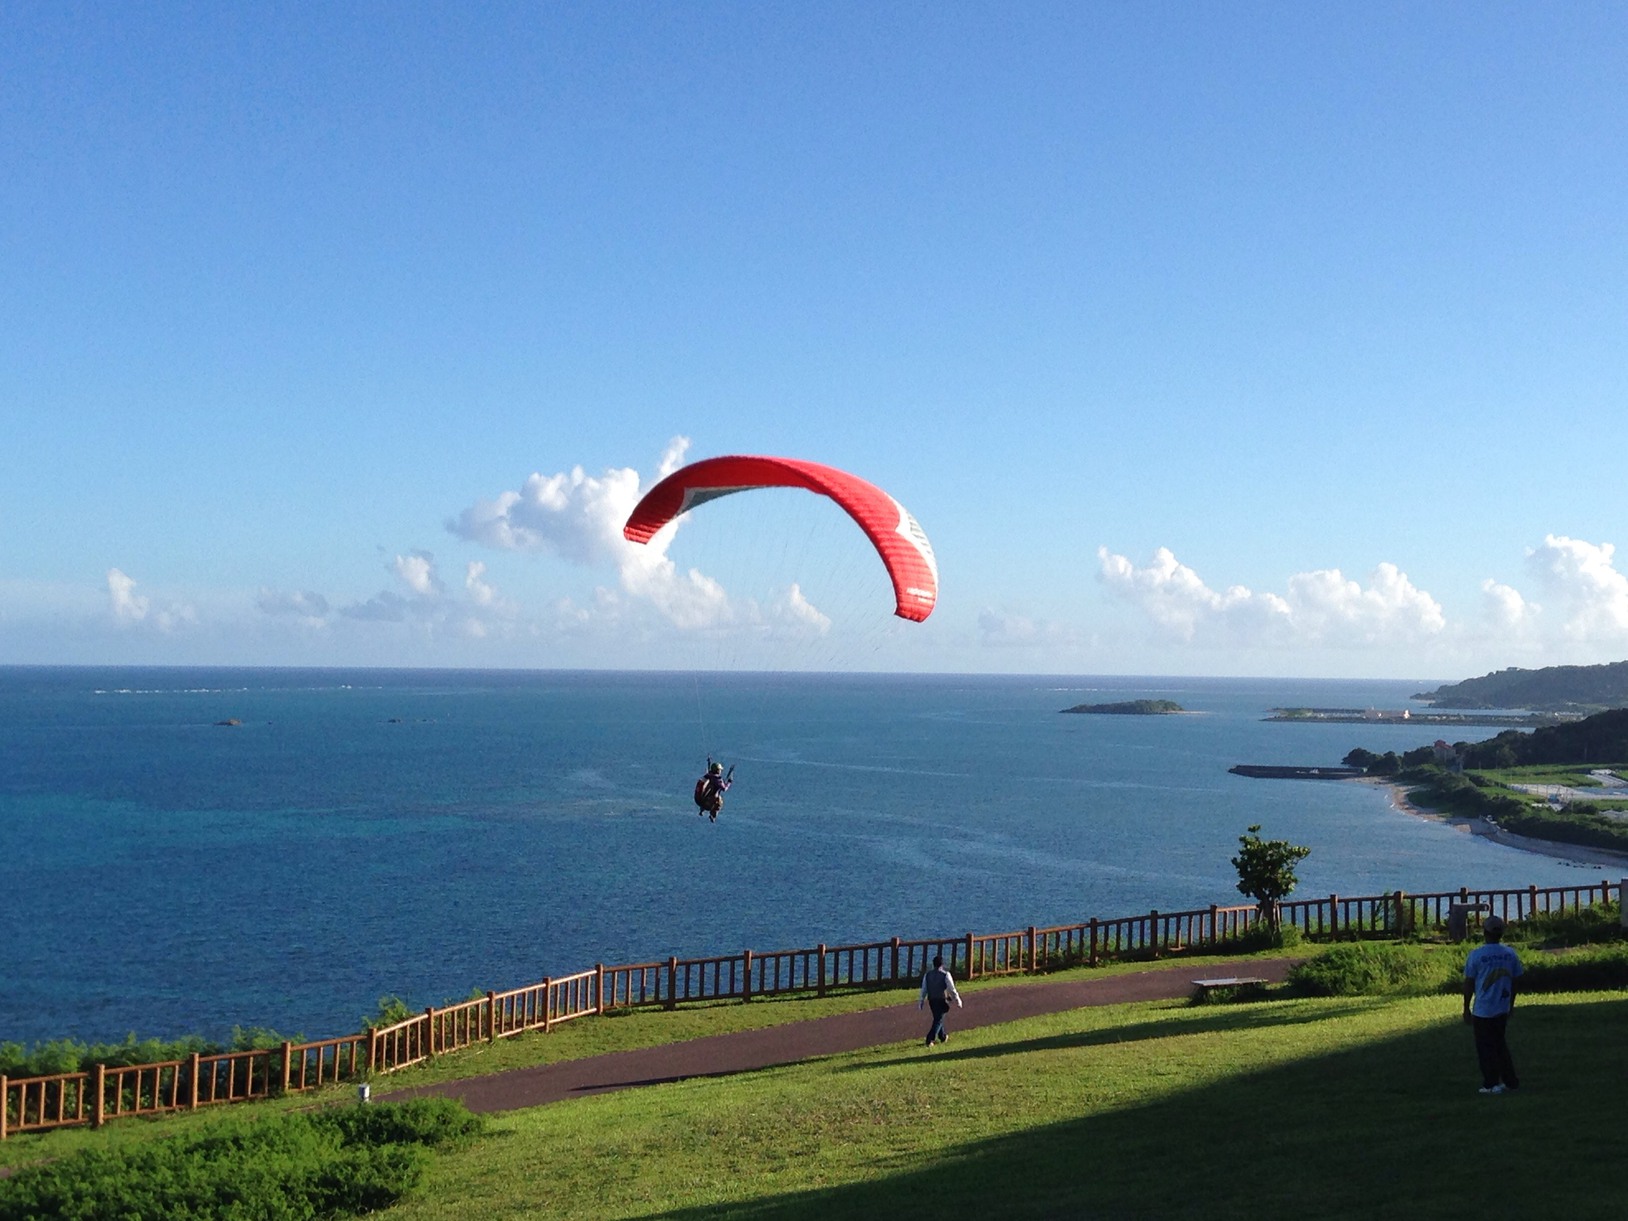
[1577, 854]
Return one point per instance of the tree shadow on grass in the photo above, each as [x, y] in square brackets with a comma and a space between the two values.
[1389, 1129]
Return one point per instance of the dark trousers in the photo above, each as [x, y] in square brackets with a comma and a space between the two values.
[940, 1007]
[1492, 1052]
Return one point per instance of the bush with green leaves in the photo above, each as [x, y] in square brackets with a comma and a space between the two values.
[1592, 925]
[391, 1011]
[1599, 968]
[1374, 969]
[339, 1162]
[72, 1056]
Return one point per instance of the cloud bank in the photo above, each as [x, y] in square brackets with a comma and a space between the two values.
[1322, 608]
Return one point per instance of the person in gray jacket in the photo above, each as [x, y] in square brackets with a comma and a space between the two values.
[937, 991]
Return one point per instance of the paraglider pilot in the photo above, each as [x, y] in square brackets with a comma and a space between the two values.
[710, 789]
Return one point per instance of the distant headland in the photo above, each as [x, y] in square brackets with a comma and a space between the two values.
[1574, 689]
[1131, 708]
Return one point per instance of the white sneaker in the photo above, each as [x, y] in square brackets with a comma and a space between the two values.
[1491, 1089]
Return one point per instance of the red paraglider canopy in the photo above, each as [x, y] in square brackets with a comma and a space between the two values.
[898, 539]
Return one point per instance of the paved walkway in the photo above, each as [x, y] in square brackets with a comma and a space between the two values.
[742, 1051]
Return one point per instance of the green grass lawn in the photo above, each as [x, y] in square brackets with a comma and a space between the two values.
[1347, 1107]
[623, 1030]
[1328, 1108]
[1574, 775]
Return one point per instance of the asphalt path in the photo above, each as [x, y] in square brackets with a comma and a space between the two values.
[746, 1050]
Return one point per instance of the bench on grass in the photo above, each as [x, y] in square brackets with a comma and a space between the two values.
[1251, 983]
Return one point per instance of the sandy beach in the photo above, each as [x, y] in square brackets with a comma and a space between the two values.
[1574, 854]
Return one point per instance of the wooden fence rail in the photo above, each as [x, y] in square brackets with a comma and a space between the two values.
[36, 1104]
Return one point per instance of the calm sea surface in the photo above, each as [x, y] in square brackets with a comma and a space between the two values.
[425, 832]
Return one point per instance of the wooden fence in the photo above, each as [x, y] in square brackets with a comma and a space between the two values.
[104, 1092]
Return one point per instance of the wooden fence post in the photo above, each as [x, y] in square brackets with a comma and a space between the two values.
[970, 971]
[288, 1064]
[746, 981]
[1093, 959]
[548, 1003]
[1153, 931]
[1622, 902]
[894, 974]
[1034, 964]
[1334, 916]
[1533, 909]
[429, 1030]
[5, 1105]
[1215, 924]
[672, 982]
[98, 1104]
[820, 988]
[599, 988]
[491, 1016]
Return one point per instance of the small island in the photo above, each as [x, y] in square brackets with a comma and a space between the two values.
[1131, 708]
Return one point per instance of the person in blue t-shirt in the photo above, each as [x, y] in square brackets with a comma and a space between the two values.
[1490, 973]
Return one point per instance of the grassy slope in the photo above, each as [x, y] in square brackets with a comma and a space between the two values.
[1329, 1108]
[620, 1031]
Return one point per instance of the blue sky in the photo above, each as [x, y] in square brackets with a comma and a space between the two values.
[1279, 339]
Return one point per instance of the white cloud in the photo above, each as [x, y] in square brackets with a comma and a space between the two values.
[422, 600]
[579, 517]
[1320, 607]
[480, 593]
[794, 614]
[575, 515]
[129, 607]
[416, 570]
[1588, 592]
[1505, 608]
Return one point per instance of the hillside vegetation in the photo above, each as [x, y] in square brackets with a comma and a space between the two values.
[1481, 785]
[1551, 689]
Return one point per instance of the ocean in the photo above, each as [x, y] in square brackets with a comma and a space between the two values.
[352, 834]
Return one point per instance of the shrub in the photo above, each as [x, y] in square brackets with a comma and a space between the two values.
[1600, 922]
[72, 1056]
[333, 1163]
[421, 1121]
[391, 1010]
[1262, 936]
[1371, 969]
[1593, 969]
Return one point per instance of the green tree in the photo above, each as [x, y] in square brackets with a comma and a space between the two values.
[1266, 871]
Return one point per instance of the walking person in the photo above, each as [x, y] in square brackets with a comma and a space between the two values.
[937, 991]
[1489, 996]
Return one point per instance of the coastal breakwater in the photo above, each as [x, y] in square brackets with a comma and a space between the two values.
[102, 1093]
[1273, 771]
[1406, 716]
